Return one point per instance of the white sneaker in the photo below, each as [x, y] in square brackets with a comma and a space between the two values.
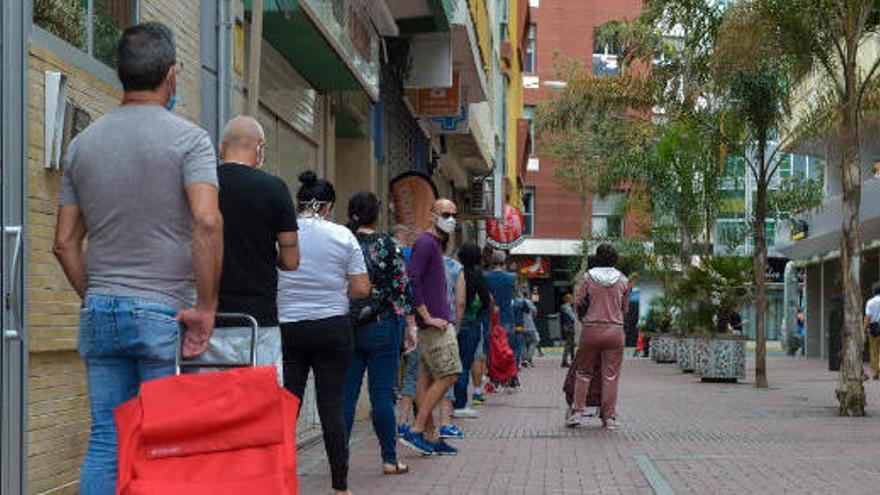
[465, 413]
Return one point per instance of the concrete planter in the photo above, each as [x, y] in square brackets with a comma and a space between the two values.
[663, 348]
[685, 357]
[721, 358]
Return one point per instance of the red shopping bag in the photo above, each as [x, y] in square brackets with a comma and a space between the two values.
[502, 361]
[221, 433]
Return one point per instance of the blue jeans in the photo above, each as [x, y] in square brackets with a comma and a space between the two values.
[514, 340]
[468, 339]
[124, 342]
[376, 351]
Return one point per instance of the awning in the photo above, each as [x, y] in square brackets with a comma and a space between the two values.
[548, 247]
[825, 225]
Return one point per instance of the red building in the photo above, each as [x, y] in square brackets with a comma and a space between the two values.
[562, 30]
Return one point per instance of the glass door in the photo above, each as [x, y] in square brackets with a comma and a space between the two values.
[13, 341]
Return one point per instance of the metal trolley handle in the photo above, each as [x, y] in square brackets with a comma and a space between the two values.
[245, 319]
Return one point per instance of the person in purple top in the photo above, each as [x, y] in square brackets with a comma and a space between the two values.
[439, 362]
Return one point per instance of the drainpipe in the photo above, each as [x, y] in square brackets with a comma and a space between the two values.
[223, 26]
[789, 304]
[253, 100]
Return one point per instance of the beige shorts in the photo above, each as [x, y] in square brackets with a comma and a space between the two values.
[438, 352]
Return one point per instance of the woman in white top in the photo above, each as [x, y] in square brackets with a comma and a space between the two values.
[316, 331]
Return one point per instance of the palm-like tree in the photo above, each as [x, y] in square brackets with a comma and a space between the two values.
[827, 38]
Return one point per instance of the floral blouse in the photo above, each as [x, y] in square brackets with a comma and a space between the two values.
[390, 282]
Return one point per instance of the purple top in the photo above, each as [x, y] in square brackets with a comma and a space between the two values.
[428, 277]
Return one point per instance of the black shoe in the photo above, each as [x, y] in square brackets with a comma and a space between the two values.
[565, 365]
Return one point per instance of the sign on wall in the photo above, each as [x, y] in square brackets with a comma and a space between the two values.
[508, 232]
[412, 195]
[440, 101]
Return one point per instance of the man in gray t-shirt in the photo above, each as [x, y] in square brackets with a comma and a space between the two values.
[141, 185]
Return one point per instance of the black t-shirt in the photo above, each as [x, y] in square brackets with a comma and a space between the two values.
[256, 207]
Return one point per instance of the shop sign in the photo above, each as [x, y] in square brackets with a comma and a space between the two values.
[534, 267]
[506, 233]
[452, 124]
[440, 101]
[412, 196]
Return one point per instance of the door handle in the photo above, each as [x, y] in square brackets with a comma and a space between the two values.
[12, 295]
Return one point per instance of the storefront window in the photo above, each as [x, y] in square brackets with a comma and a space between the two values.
[96, 34]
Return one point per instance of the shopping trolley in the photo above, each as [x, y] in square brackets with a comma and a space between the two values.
[217, 433]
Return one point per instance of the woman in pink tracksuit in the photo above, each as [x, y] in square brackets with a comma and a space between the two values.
[606, 290]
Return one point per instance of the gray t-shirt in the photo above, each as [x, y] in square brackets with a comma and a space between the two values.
[128, 172]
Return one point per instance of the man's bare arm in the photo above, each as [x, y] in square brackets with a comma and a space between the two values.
[207, 249]
[70, 230]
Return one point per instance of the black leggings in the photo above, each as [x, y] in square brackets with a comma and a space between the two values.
[324, 346]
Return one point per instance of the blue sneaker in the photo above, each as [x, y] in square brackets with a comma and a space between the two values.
[417, 442]
[451, 431]
[402, 429]
[478, 399]
[443, 448]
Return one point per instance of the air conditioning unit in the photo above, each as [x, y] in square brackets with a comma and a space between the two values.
[481, 190]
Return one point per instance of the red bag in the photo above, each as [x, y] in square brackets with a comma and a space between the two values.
[502, 361]
[640, 343]
[222, 433]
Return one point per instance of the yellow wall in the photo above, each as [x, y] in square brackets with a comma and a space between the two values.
[514, 102]
[480, 18]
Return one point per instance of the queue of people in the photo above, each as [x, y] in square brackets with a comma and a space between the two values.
[174, 238]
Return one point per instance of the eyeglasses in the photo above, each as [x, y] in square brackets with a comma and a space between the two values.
[448, 215]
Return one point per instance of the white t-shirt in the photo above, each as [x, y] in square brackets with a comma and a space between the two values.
[318, 289]
[872, 309]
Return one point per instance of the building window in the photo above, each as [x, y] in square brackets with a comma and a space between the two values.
[503, 8]
[607, 219]
[93, 26]
[529, 113]
[529, 210]
[531, 65]
[606, 61]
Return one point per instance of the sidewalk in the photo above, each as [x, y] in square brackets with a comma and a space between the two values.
[679, 436]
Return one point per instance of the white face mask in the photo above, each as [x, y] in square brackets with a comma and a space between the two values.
[446, 225]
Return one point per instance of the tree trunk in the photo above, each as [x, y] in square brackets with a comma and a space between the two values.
[851, 391]
[760, 267]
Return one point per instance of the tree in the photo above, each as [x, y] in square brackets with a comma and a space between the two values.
[589, 123]
[827, 38]
[749, 69]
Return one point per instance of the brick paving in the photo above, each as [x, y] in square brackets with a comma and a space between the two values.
[700, 437]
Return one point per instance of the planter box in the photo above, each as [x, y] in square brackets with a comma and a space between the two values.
[722, 358]
[685, 357]
[663, 348]
[702, 352]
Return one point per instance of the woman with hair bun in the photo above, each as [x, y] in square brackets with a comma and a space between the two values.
[377, 336]
[313, 309]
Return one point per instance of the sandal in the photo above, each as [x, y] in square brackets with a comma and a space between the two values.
[398, 468]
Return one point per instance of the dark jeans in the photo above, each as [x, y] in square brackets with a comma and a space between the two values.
[515, 341]
[468, 339]
[376, 351]
[325, 347]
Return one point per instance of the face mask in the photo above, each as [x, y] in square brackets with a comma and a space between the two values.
[446, 225]
[172, 102]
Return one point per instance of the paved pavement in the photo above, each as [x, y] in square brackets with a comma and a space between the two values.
[679, 436]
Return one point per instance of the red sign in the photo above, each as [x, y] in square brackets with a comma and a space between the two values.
[537, 267]
[440, 102]
[508, 233]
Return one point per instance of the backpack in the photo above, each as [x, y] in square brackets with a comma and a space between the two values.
[365, 311]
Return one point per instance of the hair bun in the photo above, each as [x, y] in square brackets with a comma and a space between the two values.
[308, 178]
